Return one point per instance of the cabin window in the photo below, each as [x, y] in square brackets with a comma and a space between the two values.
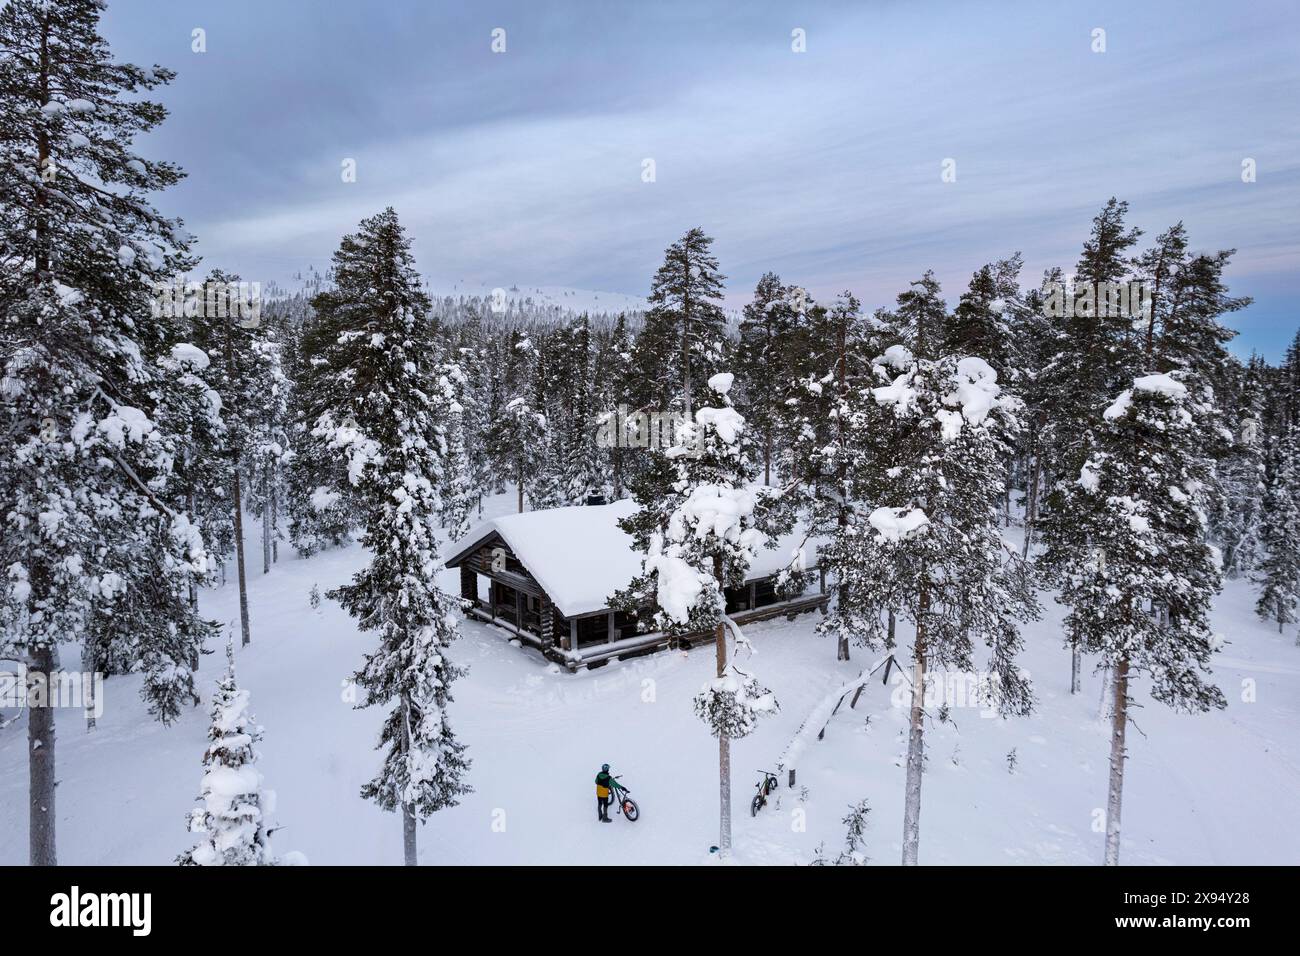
[765, 592]
[593, 630]
[737, 599]
[627, 624]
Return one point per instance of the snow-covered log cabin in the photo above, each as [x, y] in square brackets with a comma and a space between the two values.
[547, 577]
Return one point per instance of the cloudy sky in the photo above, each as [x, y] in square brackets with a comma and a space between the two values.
[525, 167]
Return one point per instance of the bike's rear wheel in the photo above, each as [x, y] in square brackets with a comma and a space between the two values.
[630, 810]
[755, 805]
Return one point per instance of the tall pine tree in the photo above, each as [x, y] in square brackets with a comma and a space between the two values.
[87, 481]
[681, 342]
[931, 550]
[699, 525]
[1140, 599]
[1093, 354]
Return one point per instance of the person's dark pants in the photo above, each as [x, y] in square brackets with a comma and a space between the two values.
[602, 808]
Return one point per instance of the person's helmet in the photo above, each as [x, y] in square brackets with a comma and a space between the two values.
[604, 768]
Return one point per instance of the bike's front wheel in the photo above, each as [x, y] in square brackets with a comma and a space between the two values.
[630, 810]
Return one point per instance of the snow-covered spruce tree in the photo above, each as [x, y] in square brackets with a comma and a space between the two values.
[385, 424]
[86, 477]
[457, 493]
[232, 821]
[239, 375]
[320, 501]
[1033, 345]
[979, 324]
[518, 433]
[474, 398]
[766, 362]
[587, 473]
[614, 375]
[1278, 574]
[268, 443]
[828, 463]
[699, 524]
[931, 549]
[1237, 523]
[134, 628]
[201, 473]
[571, 402]
[1140, 600]
[521, 438]
[680, 343]
[917, 322]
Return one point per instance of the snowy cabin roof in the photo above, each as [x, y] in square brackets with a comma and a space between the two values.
[580, 556]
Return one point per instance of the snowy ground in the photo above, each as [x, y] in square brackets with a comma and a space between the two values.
[1212, 789]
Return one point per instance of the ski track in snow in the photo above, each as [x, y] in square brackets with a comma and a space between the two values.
[1207, 789]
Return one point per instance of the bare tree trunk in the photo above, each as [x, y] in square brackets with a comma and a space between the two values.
[521, 486]
[1076, 665]
[1006, 494]
[40, 720]
[275, 525]
[617, 455]
[767, 458]
[266, 535]
[408, 812]
[408, 835]
[1115, 792]
[239, 500]
[1031, 506]
[239, 559]
[724, 744]
[40, 756]
[89, 666]
[194, 588]
[915, 742]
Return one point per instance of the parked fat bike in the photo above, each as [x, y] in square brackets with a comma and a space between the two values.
[766, 786]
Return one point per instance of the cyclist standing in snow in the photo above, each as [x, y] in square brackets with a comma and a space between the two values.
[604, 793]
